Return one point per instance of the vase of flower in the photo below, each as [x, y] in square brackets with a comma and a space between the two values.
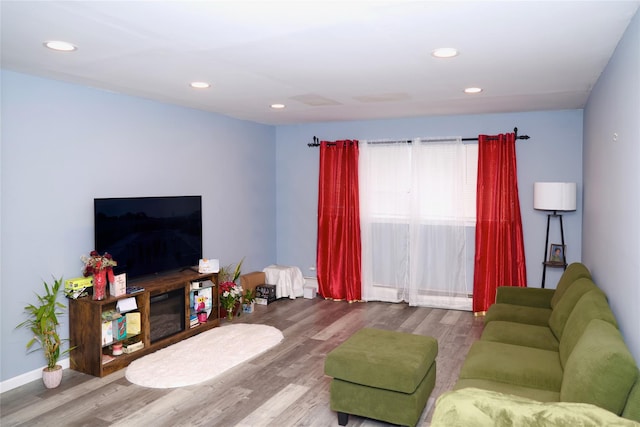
[99, 284]
[99, 266]
[230, 292]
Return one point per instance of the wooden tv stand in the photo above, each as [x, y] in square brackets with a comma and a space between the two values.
[86, 322]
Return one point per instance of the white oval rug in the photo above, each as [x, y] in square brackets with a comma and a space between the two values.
[204, 356]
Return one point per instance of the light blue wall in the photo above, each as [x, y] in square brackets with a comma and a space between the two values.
[611, 228]
[63, 145]
[554, 153]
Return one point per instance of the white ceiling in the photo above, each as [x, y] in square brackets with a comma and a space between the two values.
[326, 60]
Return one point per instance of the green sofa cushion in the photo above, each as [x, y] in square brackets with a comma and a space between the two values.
[632, 408]
[513, 364]
[483, 408]
[520, 334]
[565, 305]
[370, 357]
[600, 369]
[532, 297]
[592, 305]
[573, 272]
[518, 390]
[518, 313]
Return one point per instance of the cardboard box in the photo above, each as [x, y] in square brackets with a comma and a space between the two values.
[265, 294]
[309, 291]
[78, 284]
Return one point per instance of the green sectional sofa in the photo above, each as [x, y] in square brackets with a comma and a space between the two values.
[559, 345]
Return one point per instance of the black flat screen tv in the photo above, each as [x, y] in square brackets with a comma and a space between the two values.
[149, 235]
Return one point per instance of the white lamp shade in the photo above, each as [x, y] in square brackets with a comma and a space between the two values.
[554, 196]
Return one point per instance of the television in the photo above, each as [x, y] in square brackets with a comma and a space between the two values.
[149, 235]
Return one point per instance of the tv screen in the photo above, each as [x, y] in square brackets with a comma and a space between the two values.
[149, 235]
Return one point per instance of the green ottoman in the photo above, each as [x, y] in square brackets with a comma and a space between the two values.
[384, 375]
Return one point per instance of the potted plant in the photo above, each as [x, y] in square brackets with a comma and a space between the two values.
[248, 301]
[43, 324]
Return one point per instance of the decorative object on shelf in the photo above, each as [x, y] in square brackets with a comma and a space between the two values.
[116, 349]
[43, 324]
[99, 284]
[118, 287]
[100, 266]
[554, 196]
[208, 266]
[230, 291]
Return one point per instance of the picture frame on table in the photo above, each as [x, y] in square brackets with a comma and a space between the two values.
[557, 253]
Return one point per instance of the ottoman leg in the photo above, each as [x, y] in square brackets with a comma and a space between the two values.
[343, 418]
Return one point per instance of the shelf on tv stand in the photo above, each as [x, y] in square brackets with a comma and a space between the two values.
[85, 322]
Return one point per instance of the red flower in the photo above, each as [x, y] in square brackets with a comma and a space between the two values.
[96, 262]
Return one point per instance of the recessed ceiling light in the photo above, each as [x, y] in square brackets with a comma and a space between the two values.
[473, 90]
[445, 52]
[60, 46]
[277, 106]
[199, 85]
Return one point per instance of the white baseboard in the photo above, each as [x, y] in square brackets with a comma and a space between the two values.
[27, 377]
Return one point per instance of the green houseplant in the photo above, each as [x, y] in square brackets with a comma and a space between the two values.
[248, 301]
[43, 323]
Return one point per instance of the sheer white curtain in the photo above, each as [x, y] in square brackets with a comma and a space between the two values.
[413, 208]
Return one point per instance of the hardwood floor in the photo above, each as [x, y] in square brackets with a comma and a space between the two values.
[284, 387]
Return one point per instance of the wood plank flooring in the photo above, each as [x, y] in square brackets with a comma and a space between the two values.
[284, 387]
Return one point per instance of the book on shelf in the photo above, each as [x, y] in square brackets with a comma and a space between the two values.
[132, 344]
[133, 323]
[107, 332]
[120, 329]
[193, 320]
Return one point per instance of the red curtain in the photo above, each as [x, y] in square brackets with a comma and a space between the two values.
[338, 252]
[499, 257]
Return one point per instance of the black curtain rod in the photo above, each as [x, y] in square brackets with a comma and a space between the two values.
[316, 141]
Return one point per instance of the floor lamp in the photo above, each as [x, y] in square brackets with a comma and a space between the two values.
[555, 197]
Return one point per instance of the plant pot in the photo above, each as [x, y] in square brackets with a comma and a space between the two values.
[248, 308]
[52, 378]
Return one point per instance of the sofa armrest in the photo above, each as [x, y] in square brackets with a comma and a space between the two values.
[531, 297]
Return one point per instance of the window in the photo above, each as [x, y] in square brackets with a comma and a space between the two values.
[417, 210]
[440, 175]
